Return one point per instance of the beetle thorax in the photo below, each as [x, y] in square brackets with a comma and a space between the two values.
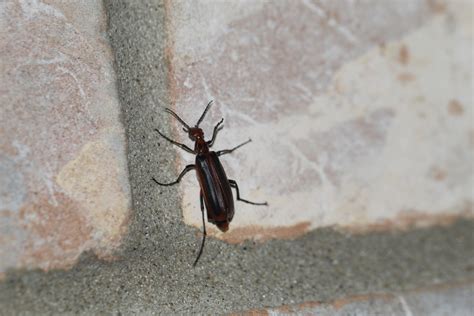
[197, 135]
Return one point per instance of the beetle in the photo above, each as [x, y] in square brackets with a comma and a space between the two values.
[216, 193]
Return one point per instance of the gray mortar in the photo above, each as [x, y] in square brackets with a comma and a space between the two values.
[154, 274]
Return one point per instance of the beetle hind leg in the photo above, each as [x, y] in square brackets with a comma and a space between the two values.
[233, 184]
[204, 234]
[181, 175]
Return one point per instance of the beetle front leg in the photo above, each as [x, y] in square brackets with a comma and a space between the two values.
[185, 170]
[182, 146]
[204, 234]
[228, 151]
[217, 128]
[233, 184]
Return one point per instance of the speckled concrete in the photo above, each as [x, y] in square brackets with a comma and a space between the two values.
[152, 272]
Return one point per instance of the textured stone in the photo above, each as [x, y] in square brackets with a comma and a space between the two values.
[360, 112]
[63, 176]
[154, 274]
[455, 299]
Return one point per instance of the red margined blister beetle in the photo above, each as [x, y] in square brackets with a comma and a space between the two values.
[216, 191]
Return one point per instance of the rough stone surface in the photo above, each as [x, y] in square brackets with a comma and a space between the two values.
[360, 112]
[153, 274]
[437, 300]
[63, 176]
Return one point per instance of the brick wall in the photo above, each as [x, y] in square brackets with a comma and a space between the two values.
[360, 115]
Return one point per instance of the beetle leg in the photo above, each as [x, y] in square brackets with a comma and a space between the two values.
[217, 128]
[204, 234]
[182, 146]
[185, 170]
[228, 151]
[233, 184]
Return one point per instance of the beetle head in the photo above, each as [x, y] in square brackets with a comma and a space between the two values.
[195, 133]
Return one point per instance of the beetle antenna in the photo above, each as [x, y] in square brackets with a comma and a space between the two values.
[178, 118]
[204, 234]
[204, 113]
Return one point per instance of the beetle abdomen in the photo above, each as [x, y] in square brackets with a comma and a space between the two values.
[215, 188]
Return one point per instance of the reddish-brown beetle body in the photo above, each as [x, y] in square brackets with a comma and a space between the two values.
[216, 191]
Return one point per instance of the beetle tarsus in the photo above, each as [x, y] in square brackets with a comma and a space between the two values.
[228, 151]
[181, 175]
[236, 187]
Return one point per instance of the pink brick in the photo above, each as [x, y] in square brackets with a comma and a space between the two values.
[63, 180]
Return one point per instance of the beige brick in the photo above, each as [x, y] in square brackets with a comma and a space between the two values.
[358, 120]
